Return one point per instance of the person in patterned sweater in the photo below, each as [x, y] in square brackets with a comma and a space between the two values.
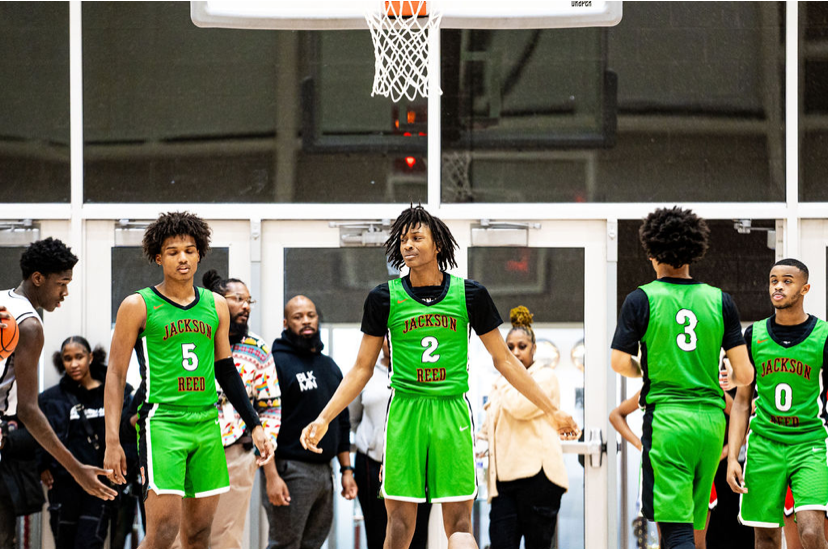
[258, 373]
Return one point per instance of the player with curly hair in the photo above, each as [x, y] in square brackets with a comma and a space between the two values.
[46, 267]
[181, 336]
[681, 325]
[428, 315]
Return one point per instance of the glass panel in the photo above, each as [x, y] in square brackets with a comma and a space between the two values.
[813, 122]
[682, 101]
[550, 282]
[10, 274]
[177, 113]
[131, 271]
[34, 102]
[337, 280]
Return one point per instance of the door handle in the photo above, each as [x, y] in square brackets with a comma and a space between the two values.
[592, 446]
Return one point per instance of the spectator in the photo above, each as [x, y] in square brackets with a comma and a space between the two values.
[298, 492]
[527, 476]
[368, 423]
[258, 373]
[74, 408]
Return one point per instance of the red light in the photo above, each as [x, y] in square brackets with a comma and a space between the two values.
[410, 161]
[407, 134]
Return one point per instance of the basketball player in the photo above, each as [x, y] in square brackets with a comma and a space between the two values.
[428, 316]
[682, 325]
[180, 333]
[786, 441]
[46, 267]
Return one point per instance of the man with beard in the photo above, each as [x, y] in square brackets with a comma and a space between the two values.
[258, 373]
[299, 490]
[786, 444]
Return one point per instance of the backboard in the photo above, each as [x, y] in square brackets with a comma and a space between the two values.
[457, 14]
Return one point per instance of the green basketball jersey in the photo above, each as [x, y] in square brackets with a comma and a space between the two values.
[176, 350]
[429, 342]
[682, 344]
[788, 399]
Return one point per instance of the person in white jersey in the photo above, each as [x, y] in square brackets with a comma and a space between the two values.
[46, 267]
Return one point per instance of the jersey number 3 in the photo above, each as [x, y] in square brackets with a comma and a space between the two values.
[687, 340]
[189, 360]
[430, 343]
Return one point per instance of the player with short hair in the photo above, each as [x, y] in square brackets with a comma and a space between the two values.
[786, 443]
[180, 334]
[46, 266]
[429, 315]
[681, 325]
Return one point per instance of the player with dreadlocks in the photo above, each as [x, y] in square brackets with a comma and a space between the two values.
[180, 334]
[428, 315]
[681, 325]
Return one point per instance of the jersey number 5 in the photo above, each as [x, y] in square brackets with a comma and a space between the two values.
[687, 340]
[430, 343]
[189, 359]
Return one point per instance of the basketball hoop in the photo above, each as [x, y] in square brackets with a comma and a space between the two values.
[400, 33]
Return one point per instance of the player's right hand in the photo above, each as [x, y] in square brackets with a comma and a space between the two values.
[734, 477]
[4, 315]
[115, 463]
[87, 477]
[312, 434]
[567, 428]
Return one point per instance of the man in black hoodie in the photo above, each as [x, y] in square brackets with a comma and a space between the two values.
[303, 480]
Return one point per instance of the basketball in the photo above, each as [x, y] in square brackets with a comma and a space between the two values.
[8, 338]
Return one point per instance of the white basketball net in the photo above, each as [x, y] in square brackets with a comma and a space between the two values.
[401, 47]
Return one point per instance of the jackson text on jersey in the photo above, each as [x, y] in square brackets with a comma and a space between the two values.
[187, 325]
[786, 365]
[430, 321]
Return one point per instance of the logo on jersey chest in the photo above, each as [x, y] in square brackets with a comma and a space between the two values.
[430, 321]
[187, 325]
[786, 365]
[306, 381]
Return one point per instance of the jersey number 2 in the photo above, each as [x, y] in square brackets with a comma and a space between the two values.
[687, 340]
[431, 344]
[189, 359]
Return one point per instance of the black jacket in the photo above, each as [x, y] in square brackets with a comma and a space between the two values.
[308, 380]
[56, 406]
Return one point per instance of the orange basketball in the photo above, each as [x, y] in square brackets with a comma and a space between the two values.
[8, 338]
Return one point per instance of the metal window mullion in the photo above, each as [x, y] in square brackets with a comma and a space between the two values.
[434, 143]
[76, 158]
[792, 91]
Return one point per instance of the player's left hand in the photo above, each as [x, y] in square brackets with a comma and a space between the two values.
[349, 487]
[726, 377]
[4, 315]
[263, 444]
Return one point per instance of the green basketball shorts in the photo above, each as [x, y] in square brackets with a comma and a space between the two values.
[429, 450]
[682, 446]
[770, 467]
[180, 451]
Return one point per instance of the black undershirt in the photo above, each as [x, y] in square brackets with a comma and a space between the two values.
[787, 336]
[483, 315]
[635, 317]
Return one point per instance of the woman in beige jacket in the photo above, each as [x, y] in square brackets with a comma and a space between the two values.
[527, 476]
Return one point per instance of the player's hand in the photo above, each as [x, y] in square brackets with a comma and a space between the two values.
[87, 477]
[277, 491]
[263, 444]
[115, 463]
[349, 487]
[312, 434]
[4, 315]
[734, 477]
[726, 376]
[567, 428]
[46, 479]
